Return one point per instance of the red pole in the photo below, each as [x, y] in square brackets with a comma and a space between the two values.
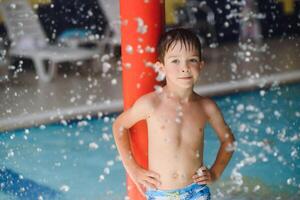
[142, 22]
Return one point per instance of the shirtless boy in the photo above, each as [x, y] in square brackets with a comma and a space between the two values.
[176, 117]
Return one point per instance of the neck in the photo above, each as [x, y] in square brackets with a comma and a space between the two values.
[179, 94]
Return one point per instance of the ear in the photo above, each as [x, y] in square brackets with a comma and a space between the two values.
[160, 66]
[161, 71]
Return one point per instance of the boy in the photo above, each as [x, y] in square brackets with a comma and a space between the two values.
[175, 117]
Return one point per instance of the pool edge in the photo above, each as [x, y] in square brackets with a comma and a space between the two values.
[33, 119]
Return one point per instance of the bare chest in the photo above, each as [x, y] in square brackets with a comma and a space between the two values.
[177, 124]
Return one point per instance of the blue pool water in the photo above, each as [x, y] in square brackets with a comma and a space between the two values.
[78, 159]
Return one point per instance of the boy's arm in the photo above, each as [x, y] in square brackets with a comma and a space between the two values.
[121, 125]
[140, 110]
[225, 136]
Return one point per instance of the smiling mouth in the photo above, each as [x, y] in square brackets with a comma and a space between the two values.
[185, 77]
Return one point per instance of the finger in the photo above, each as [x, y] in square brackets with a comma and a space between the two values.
[153, 181]
[197, 176]
[203, 178]
[202, 182]
[203, 175]
[149, 184]
[207, 181]
[153, 174]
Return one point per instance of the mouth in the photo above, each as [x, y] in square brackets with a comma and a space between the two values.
[189, 77]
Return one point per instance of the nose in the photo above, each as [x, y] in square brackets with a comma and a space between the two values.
[185, 68]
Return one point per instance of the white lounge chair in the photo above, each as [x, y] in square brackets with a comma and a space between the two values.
[111, 10]
[29, 40]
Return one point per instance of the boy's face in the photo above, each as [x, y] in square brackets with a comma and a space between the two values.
[181, 66]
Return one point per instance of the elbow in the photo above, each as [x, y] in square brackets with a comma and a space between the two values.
[229, 139]
[230, 143]
[118, 129]
[116, 124]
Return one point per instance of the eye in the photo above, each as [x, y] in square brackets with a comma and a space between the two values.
[176, 61]
[194, 60]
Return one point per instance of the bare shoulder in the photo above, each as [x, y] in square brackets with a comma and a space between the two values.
[146, 103]
[146, 100]
[140, 110]
[208, 104]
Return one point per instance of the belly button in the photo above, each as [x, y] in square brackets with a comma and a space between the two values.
[175, 175]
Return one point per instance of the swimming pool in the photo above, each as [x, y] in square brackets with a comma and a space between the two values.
[78, 159]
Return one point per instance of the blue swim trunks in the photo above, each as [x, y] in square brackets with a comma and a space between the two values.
[193, 191]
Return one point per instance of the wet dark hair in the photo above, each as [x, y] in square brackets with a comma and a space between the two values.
[185, 36]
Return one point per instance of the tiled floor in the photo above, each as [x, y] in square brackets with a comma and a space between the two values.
[229, 68]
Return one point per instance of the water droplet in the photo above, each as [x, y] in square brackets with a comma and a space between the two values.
[93, 146]
[64, 188]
